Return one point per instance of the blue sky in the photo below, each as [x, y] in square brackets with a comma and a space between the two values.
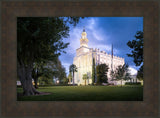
[102, 32]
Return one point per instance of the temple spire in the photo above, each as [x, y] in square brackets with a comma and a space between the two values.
[84, 40]
[83, 29]
[112, 58]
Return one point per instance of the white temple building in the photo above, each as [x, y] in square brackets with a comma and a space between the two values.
[84, 61]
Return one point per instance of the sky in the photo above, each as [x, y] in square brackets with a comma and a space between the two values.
[102, 32]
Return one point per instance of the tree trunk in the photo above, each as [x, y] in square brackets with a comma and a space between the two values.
[25, 76]
[85, 83]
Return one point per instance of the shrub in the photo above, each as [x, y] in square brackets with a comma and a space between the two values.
[130, 83]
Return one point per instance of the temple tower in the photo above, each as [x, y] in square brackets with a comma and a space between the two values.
[84, 40]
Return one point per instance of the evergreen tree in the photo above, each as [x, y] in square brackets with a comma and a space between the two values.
[140, 73]
[101, 72]
[93, 72]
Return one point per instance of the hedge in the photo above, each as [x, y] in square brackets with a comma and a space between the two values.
[130, 83]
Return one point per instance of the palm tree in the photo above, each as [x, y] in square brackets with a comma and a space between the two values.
[72, 69]
[85, 77]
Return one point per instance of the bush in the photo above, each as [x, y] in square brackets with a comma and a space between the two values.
[130, 83]
[110, 84]
[65, 84]
[95, 84]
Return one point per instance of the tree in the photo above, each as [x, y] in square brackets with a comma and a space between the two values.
[127, 72]
[128, 76]
[119, 74]
[39, 40]
[122, 73]
[93, 72]
[36, 73]
[61, 72]
[137, 52]
[85, 77]
[65, 80]
[45, 71]
[101, 71]
[42, 69]
[140, 73]
[62, 75]
[72, 69]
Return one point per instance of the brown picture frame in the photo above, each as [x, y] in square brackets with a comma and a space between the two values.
[12, 108]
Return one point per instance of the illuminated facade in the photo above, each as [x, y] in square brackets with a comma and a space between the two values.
[84, 61]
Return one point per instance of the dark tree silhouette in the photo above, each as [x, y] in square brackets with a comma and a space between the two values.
[93, 72]
[101, 71]
[137, 52]
[39, 39]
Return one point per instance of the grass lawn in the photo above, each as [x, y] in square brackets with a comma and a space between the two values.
[87, 93]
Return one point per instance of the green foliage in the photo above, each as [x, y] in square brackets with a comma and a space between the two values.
[101, 72]
[85, 77]
[93, 72]
[137, 52]
[140, 73]
[65, 80]
[40, 40]
[137, 48]
[49, 70]
[61, 72]
[119, 73]
[73, 20]
[122, 73]
[130, 83]
[72, 68]
[45, 80]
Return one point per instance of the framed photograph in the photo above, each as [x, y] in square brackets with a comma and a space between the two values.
[96, 65]
[99, 37]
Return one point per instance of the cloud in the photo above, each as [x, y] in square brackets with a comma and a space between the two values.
[101, 34]
[90, 23]
[94, 34]
[132, 70]
[95, 31]
[75, 36]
